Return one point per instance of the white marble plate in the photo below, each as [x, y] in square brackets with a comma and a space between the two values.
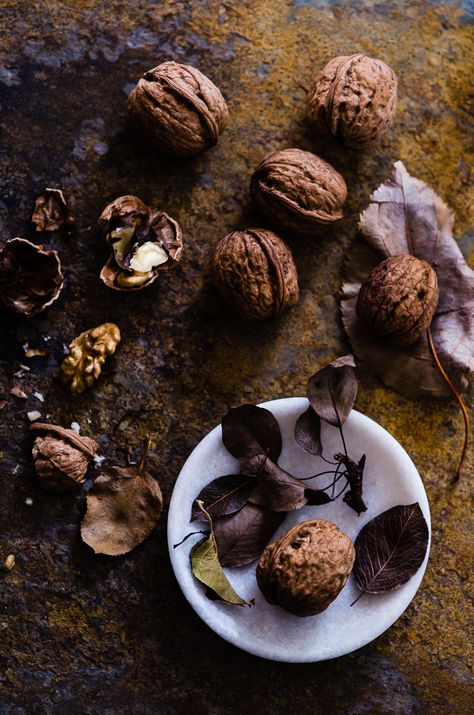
[268, 631]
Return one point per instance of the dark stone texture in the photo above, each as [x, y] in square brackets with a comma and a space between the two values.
[96, 635]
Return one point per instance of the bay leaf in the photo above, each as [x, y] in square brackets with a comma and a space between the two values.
[241, 537]
[404, 216]
[332, 390]
[390, 549]
[224, 495]
[123, 507]
[207, 569]
[308, 432]
[249, 430]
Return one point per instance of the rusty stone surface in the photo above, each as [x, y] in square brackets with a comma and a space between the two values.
[85, 634]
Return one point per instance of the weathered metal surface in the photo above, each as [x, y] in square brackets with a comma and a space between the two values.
[85, 634]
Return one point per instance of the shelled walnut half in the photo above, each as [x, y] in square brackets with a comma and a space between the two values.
[144, 242]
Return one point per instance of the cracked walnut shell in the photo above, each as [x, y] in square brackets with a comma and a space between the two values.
[254, 270]
[354, 98]
[305, 570]
[61, 456]
[398, 299]
[88, 353]
[178, 108]
[298, 191]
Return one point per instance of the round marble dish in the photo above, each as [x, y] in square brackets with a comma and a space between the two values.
[268, 631]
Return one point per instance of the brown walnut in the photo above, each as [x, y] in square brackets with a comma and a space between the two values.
[178, 108]
[30, 278]
[306, 568]
[61, 456]
[298, 191]
[144, 242]
[51, 212]
[354, 98]
[254, 270]
[398, 299]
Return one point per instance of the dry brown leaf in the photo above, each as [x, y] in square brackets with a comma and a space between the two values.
[406, 216]
[123, 507]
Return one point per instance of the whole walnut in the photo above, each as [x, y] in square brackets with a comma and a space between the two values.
[254, 270]
[354, 98]
[61, 457]
[306, 568]
[298, 191]
[178, 108]
[398, 299]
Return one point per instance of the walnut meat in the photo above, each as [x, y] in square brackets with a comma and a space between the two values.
[254, 270]
[88, 352]
[398, 299]
[306, 568]
[298, 191]
[61, 456]
[354, 98]
[178, 108]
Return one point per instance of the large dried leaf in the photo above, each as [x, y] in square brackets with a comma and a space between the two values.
[224, 495]
[406, 216]
[207, 569]
[123, 507]
[249, 430]
[333, 389]
[390, 549]
[241, 537]
[308, 432]
[276, 489]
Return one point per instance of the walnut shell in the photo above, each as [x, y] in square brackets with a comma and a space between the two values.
[178, 108]
[306, 568]
[298, 191]
[354, 98]
[398, 299]
[61, 457]
[254, 270]
[30, 278]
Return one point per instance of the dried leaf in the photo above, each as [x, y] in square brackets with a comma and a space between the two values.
[224, 495]
[308, 432]
[123, 507]
[207, 569]
[317, 497]
[390, 549]
[274, 488]
[249, 430]
[406, 216]
[333, 389]
[241, 537]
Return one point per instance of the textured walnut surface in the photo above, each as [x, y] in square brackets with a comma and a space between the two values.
[306, 568]
[85, 634]
[297, 190]
[354, 98]
[398, 299]
[179, 108]
[61, 456]
[254, 270]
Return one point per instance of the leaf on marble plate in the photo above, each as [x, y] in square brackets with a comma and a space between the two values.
[123, 507]
[207, 569]
[249, 430]
[241, 537]
[308, 432]
[390, 549]
[275, 488]
[407, 216]
[332, 390]
[224, 495]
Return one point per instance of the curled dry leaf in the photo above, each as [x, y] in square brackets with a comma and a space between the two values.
[207, 569]
[406, 216]
[51, 212]
[274, 488]
[248, 431]
[224, 495]
[308, 432]
[123, 507]
[30, 278]
[241, 537]
[88, 353]
[333, 389]
[390, 549]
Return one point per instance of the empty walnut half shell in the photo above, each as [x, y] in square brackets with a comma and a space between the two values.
[354, 98]
[255, 271]
[144, 242]
[178, 108]
[298, 191]
[30, 278]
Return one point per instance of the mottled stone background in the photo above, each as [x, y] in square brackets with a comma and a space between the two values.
[92, 635]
